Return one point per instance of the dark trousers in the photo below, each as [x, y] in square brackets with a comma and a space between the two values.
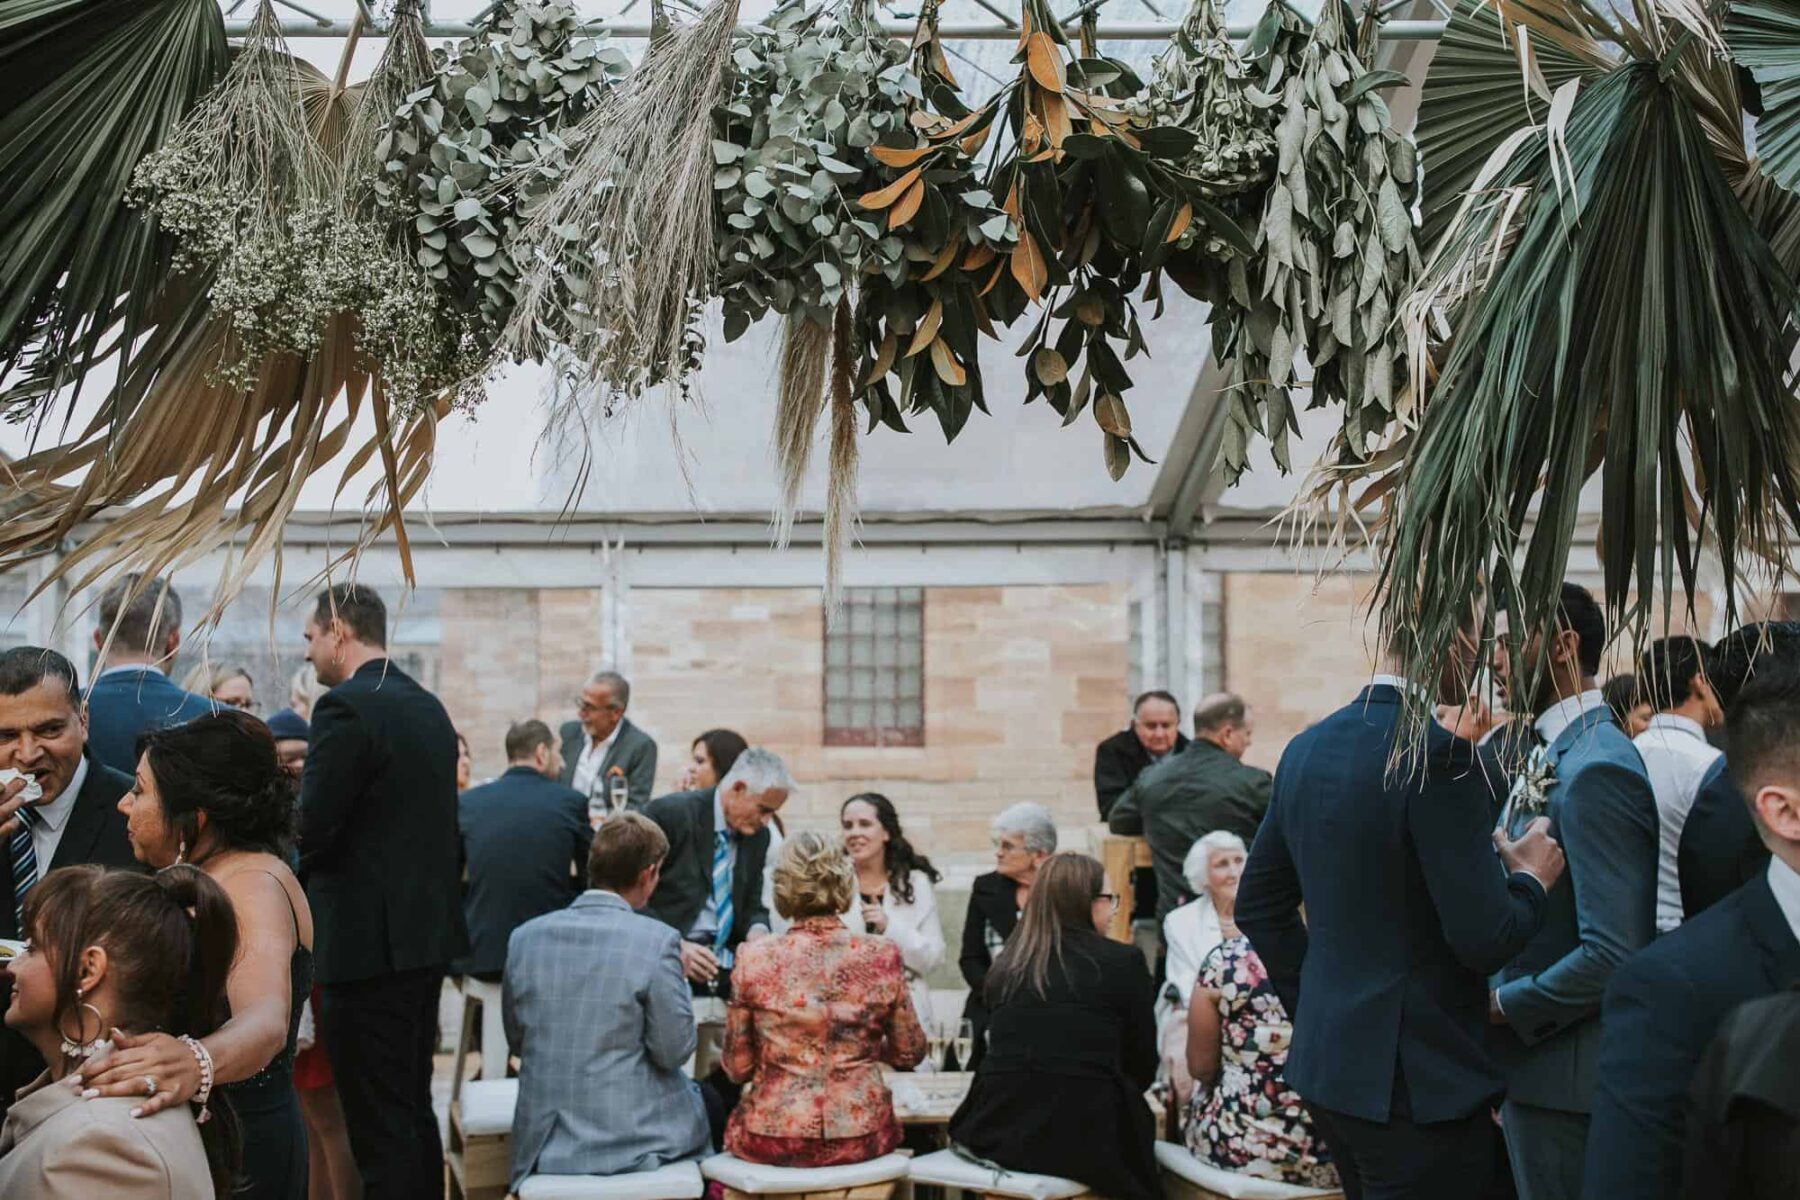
[380, 1034]
[1400, 1160]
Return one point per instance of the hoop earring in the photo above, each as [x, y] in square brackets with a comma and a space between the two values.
[180, 852]
[80, 1047]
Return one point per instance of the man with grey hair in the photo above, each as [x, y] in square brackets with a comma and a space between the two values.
[1186, 795]
[600, 745]
[134, 694]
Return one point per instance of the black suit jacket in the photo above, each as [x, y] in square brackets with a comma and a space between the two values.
[1408, 910]
[378, 837]
[1719, 850]
[1744, 1136]
[1662, 1010]
[1118, 761]
[991, 906]
[95, 834]
[520, 836]
[687, 819]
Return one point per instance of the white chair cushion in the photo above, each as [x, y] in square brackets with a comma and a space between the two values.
[761, 1180]
[676, 1181]
[487, 1106]
[1179, 1160]
[948, 1169]
[486, 991]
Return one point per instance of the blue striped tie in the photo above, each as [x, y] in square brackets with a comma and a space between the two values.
[721, 894]
[24, 865]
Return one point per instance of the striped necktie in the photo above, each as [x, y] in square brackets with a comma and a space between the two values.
[24, 865]
[721, 894]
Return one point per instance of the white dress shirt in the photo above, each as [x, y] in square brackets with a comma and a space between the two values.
[53, 817]
[1400, 684]
[1677, 757]
[587, 767]
[1785, 883]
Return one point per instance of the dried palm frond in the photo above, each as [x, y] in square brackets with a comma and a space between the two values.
[1765, 41]
[840, 498]
[805, 354]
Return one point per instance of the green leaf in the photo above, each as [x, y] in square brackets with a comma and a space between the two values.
[1764, 36]
[1368, 81]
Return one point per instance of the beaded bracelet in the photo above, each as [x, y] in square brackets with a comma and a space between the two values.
[203, 1056]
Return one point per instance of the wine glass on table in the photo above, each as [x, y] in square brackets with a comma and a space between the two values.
[937, 1043]
[618, 794]
[964, 1043]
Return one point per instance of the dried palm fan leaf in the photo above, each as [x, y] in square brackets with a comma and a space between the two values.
[1765, 41]
[841, 515]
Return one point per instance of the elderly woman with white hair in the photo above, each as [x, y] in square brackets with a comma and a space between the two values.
[1024, 836]
[1213, 865]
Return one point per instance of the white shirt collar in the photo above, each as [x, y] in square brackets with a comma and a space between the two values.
[1559, 716]
[600, 747]
[1785, 883]
[1676, 723]
[53, 813]
[1400, 684]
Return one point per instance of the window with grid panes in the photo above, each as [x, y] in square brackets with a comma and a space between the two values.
[875, 669]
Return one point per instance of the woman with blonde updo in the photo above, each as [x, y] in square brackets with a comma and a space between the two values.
[814, 1013]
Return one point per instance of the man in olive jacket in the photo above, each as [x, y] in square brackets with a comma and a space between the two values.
[1188, 795]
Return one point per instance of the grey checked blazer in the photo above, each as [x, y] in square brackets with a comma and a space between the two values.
[599, 1014]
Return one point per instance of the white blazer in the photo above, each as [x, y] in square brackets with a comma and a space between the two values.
[1191, 932]
[915, 928]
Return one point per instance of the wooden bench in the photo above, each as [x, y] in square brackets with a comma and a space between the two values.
[877, 1179]
[480, 1146]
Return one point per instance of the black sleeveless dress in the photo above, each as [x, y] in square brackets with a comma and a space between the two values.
[268, 1108]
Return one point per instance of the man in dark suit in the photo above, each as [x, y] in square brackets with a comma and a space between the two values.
[1155, 733]
[1408, 910]
[142, 620]
[1186, 796]
[1588, 778]
[70, 816]
[525, 841]
[602, 744]
[1664, 1006]
[378, 855]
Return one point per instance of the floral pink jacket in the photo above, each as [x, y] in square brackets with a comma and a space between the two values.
[813, 1014]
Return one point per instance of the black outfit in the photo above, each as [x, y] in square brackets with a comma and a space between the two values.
[1118, 761]
[1061, 1089]
[992, 906]
[274, 1163]
[378, 855]
[525, 842]
[687, 819]
[1408, 910]
[94, 833]
[1719, 850]
[1744, 1129]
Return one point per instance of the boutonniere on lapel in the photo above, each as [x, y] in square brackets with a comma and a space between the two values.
[1531, 790]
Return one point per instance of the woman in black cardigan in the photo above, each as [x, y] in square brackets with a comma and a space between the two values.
[1071, 1044]
[1024, 836]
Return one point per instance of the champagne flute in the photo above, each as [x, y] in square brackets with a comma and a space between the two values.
[937, 1043]
[618, 794]
[965, 1043]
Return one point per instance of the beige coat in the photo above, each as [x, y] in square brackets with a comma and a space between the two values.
[57, 1146]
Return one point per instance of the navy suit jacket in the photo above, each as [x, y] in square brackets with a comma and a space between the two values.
[1662, 1010]
[1720, 850]
[1599, 914]
[121, 706]
[1407, 910]
[520, 835]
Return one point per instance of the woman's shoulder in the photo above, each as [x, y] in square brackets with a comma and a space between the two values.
[992, 883]
[920, 883]
[163, 1148]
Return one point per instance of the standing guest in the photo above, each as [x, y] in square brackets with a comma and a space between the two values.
[465, 764]
[304, 691]
[1631, 705]
[713, 752]
[521, 835]
[893, 890]
[116, 952]
[1664, 1006]
[1024, 839]
[1245, 1119]
[43, 733]
[1213, 867]
[134, 692]
[1155, 733]
[601, 739]
[599, 1014]
[1720, 850]
[378, 853]
[1744, 1134]
[291, 735]
[227, 685]
[1205, 787]
[1672, 675]
[814, 1013]
[1407, 911]
[212, 793]
[1588, 779]
[1071, 1044]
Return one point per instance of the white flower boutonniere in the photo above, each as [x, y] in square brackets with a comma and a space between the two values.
[1531, 790]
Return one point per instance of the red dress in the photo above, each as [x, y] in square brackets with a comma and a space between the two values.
[311, 1068]
[814, 1013]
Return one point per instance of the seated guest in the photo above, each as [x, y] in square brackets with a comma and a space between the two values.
[521, 835]
[601, 743]
[116, 952]
[1673, 677]
[1071, 1044]
[893, 887]
[814, 1013]
[1205, 787]
[211, 793]
[1190, 934]
[1743, 1138]
[292, 737]
[1155, 733]
[1664, 1005]
[1024, 838]
[1244, 1118]
[134, 692]
[713, 753]
[226, 685]
[1631, 707]
[599, 1014]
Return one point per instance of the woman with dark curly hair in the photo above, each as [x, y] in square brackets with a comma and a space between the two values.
[893, 885]
[212, 793]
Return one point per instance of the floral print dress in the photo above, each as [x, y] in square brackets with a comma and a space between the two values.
[1249, 1122]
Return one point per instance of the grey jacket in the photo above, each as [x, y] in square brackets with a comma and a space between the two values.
[599, 1013]
[633, 752]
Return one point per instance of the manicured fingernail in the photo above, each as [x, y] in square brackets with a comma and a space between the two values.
[137, 1112]
[74, 1081]
[90, 1093]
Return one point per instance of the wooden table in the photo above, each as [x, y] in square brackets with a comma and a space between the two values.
[1120, 856]
[928, 1099]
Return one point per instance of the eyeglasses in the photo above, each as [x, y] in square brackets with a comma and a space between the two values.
[1006, 846]
[584, 706]
[1111, 898]
[249, 705]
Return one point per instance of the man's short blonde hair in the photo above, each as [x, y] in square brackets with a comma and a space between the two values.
[813, 877]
